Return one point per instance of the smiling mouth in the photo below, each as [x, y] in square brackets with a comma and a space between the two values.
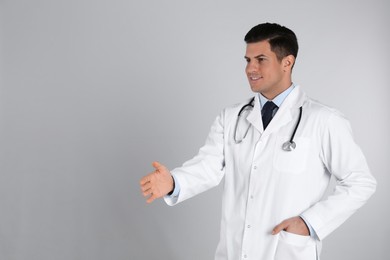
[254, 77]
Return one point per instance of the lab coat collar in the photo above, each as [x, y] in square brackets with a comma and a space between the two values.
[293, 101]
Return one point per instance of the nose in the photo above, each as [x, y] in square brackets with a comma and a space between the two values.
[251, 66]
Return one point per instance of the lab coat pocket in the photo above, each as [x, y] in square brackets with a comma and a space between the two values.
[294, 161]
[295, 247]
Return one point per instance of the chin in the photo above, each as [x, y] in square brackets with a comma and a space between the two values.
[256, 89]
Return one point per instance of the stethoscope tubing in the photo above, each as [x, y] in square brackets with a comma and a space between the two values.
[296, 126]
[290, 144]
[247, 105]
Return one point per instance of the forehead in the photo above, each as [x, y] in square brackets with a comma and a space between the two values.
[258, 48]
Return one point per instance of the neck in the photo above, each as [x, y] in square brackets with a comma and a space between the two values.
[276, 91]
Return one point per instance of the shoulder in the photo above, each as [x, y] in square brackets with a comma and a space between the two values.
[229, 114]
[325, 117]
[235, 108]
[320, 110]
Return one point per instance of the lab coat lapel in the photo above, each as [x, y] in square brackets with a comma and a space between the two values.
[254, 116]
[293, 101]
[284, 115]
[281, 118]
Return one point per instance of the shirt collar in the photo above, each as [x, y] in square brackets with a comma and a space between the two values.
[278, 100]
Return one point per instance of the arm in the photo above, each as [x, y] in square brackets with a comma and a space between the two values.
[343, 159]
[202, 172]
[205, 170]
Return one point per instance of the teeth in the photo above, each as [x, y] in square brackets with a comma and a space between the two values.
[254, 77]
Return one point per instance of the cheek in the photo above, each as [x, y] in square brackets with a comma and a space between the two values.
[274, 71]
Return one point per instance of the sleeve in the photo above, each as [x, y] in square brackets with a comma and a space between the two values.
[311, 230]
[176, 190]
[354, 183]
[205, 170]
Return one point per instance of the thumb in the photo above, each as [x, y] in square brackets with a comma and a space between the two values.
[279, 228]
[158, 166]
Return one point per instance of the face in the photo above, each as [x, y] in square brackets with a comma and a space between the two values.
[266, 74]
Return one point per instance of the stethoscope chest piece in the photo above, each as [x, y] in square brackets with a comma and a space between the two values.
[289, 146]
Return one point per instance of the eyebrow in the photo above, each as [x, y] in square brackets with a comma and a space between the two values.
[256, 57]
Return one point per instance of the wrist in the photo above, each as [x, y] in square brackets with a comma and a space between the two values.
[173, 187]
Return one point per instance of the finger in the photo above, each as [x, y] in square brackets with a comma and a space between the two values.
[151, 198]
[147, 192]
[148, 178]
[146, 186]
[279, 228]
[145, 180]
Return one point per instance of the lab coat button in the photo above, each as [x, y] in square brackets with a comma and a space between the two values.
[249, 226]
[245, 256]
[255, 167]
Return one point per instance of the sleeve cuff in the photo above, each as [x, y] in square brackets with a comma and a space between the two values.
[176, 190]
[311, 230]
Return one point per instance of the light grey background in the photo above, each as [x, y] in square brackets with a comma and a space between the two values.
[93, 91]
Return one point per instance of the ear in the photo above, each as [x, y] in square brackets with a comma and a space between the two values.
[288, 63]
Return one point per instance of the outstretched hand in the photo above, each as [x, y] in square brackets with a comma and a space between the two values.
[157, 184]
[294, 225]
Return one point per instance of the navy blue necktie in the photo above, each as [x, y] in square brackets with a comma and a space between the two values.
[267, 112]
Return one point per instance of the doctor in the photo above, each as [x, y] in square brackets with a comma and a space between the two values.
[273, 206]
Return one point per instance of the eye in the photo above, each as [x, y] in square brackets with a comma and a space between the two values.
[247, 60]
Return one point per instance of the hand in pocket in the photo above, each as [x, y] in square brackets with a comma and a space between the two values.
[294, 225]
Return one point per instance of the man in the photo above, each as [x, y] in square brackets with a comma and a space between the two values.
[277, 153]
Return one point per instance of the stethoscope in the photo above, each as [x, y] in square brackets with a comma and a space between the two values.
[287, 146]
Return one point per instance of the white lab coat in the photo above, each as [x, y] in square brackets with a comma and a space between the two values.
[265, 185]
